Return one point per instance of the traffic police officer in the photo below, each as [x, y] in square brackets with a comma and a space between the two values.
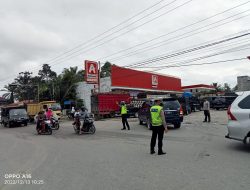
[124, 113]
[158, 125]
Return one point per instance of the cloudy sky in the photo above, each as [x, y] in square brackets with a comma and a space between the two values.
[64, 33]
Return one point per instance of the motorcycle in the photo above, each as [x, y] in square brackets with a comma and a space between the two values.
[44, 127]
[88, 126]
[54, 123]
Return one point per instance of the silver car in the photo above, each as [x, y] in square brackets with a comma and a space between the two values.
[239, 118]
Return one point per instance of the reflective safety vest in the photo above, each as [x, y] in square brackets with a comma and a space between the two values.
[124, 109]
[156, 115]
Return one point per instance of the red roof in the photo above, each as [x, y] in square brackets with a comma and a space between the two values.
[198, 86]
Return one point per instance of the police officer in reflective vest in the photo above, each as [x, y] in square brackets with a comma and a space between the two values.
[124, 113]
[158, 125]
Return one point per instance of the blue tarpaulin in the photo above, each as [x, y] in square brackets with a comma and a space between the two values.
[187, 94]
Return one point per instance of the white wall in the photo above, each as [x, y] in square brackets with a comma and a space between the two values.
[84, 90]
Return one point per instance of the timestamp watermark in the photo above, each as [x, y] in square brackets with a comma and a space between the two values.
[21, 179]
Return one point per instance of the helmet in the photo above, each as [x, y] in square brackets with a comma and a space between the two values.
[122, 102]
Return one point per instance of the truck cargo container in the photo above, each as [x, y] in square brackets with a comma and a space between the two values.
[105, 104]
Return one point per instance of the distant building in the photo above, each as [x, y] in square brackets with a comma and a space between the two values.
[243, 83]
[198, 88]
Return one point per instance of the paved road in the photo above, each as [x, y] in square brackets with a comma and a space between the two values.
[199, 157]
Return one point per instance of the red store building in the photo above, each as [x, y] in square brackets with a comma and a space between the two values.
[135, 81]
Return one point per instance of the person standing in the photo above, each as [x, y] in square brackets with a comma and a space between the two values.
[124, 114]
[158, 126]
[206, 108]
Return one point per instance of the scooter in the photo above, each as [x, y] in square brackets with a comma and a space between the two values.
[88, 126]
[54, 123]
[44, 127]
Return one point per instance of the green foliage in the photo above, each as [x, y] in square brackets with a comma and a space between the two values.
[23, 86]
[51, 86]
[106, 70]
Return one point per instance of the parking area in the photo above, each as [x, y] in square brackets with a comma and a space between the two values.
[198, 157]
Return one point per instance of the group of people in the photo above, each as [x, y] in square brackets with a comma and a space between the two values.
[77, 112]
[158, 122]
[46, 114]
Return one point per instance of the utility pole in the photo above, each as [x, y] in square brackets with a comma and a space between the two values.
[38, 97]
[99, 77]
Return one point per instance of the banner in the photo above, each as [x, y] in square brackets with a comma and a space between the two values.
[91, 72]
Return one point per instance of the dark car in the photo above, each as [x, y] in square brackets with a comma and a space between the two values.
[134, 107]
[14, 116]
[195, 104]
[172, 109]
[223, 102]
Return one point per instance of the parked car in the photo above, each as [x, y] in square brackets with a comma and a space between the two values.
[195, 104]
[172, 109]
[14, 116]
[223, 102]
[239, 118]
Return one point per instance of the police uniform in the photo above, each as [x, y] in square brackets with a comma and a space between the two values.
[157, 128]
[124, 113]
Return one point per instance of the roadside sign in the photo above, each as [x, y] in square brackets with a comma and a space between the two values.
[91, 72]
[154, 81]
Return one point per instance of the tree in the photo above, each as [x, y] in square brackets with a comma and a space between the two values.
[227, 88]
[218, 87]
[65, 87]
[23, 87]
[46, 79]
[46, 74]
[106, 70]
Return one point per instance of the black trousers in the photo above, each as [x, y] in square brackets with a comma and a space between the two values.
[125, 121]
[157, 131]
[207, 116]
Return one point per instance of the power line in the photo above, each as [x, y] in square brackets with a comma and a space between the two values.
[187, 51]
[69, 56]
[105, 32]
[234, 49]
[208, 63]
[173, 39]
[199, 58]
[179, 29]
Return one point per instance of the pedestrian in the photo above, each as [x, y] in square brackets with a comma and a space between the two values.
[72, 112]
[158, 126]
[206, 109]
[124, 114]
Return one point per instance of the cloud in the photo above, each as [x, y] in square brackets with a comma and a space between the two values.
[33, 32]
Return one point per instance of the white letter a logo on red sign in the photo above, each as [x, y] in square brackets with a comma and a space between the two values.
[92, 69]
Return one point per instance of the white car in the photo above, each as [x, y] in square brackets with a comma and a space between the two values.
[239, 118]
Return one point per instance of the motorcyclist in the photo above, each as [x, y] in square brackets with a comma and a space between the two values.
[83, 112]
[49, 113]
[76, 114]
[40, 117]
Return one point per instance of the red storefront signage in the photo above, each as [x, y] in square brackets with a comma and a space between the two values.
[154, 81]
[91, 72]
[124, 78]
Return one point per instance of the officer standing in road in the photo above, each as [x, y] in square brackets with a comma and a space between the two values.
[124, 113]
[159, 125]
